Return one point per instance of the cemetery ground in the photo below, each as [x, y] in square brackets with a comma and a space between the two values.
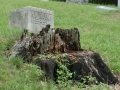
[99, 30]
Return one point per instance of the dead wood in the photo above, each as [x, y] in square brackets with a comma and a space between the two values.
[82, 62]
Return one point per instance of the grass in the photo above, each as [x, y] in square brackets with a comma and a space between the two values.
[99, 31]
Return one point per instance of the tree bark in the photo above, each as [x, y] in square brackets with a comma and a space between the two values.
[50, 41]
[82, 63]
[47, 41]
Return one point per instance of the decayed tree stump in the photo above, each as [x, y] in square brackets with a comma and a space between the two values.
[47, 41]
[82, 63]
[50, 41]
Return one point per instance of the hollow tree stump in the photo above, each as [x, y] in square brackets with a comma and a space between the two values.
[50, 41]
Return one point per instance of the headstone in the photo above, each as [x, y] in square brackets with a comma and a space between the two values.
[78, 1]
[118, 3]
[106, 8]
[44, 0]
[31, 18]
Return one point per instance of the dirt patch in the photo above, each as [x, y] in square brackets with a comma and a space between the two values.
[115, 87]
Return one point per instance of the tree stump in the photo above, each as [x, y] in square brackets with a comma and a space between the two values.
[50, 41]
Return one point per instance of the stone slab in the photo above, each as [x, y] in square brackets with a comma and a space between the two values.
[78, 1]
[118, 3]
[31, 18]
[106, 8]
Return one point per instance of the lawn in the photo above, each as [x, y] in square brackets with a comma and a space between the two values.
[99, 31]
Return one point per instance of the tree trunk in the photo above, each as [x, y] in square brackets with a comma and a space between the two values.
[49, 41]
[82, 63]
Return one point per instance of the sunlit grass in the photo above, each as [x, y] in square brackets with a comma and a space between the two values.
[99, 31]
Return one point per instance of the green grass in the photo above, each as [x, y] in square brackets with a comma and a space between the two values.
[99, 31]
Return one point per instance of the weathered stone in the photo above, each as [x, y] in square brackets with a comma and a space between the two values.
[118, 3]
[78, 1]
[31, 18]
[106, 8]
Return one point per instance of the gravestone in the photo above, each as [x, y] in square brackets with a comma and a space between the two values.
[118, 3]
[78, 1]
[106, 8]
[31, 18]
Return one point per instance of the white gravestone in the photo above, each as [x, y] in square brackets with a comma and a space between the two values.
[78, 1]
[106, 8]
[31, 18]
[118, 3]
